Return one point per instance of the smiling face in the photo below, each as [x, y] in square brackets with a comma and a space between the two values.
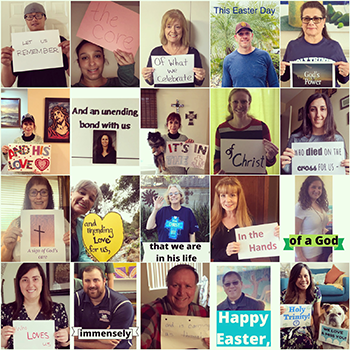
[39, 196]
[240, 103]
[28, 128]
[35, 24]
[94, 285]
[91, 61]
[181, 290]
[244, 39]
[311, 29]
[31, 285]
[315, 190]
[82, 200]
[104, 141]
[303, 280]
[317, 115]
[174, 196]
[229, 200]
[173, 126]
[173, 32]
[233, 287]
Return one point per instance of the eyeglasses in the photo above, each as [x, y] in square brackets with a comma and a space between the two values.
[34, 193]
[234, 283]
[173, 194]
[315, 19]
[37, 16]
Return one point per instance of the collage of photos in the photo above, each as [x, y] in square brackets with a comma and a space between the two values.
[201, 178]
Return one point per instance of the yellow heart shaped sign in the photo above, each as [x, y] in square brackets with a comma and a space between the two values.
[103, 238]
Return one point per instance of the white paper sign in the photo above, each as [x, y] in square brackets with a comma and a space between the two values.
[242, 156]
[36, 50]
[312, 74]
[175, 69]
[34, 334]
[296, 315]
[42, 236]
[187, 155]
[257, 241]
[335, 336]
[29, 157]
[177, 250]
[318, 158]
[183, 332]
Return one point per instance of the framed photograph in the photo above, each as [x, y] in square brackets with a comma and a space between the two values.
[300, 113]
[57, 123]
[344, 103]
[104, 147]
[58, 278]
[10, 112]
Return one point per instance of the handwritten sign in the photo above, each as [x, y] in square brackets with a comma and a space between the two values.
[111, 26]
[312, 74]
[103, 238]
[318, 158]
[187, 155]
[176, 69]
[243, 156]
[42, 236]
[335, 336]
[296, 315]
[34, 334]
[36, 50]
[183, 332]
[29, 157]
[257, 241]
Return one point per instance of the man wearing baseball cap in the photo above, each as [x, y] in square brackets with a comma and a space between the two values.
[248, 66]
[35, 17]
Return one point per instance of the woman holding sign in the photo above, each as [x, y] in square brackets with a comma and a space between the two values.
[174, 36]
[314, 44]
[85, 195]
[311, 217]
[229, 212]
[240, 125]
[33, 302]
[91, 60]
[301, 290]
[318, 126]
[38, 196]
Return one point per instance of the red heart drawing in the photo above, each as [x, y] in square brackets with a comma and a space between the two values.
[42, 164]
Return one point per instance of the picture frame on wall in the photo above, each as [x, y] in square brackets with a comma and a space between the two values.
[344, 102]
[57, 123]
[10, 112]
[58, 278]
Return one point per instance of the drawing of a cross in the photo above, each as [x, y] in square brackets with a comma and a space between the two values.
[174, 225]
[190, 116]
[177, 105]
[39, 232]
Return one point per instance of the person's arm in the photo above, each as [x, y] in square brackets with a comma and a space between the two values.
[316, 316]
[270, 149]
[110, 280]
[148, 327]
[217, 160]
[9, 241]
[147, 72]
[298, 250]
[199, 71]
[65, 45]
[193, 237]
[62, 336]
[7, 76]
[272, 78]
[226, 77]
[126, 68]
[151, 222]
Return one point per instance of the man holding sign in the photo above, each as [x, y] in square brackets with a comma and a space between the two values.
[35, 17]
[98, 307]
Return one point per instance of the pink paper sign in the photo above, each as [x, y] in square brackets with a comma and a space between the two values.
[111, 26]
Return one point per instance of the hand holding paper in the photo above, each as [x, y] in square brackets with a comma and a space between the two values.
[6, 333]
[286, 157]
[233, 248]
[270, 149]
[6, 55]
[283, 67]
[123, 58]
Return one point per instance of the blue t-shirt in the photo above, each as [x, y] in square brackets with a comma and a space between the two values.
[252, 70]
[175, 225]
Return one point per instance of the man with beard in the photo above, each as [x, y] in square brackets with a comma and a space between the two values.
[98, 307]
[236, 299]
[59, 129]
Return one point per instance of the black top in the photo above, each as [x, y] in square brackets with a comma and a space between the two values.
[110, 158]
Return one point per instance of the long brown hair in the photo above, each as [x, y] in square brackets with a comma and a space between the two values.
[228, 185]
[292, 293]
[45, 297]
[304, 198]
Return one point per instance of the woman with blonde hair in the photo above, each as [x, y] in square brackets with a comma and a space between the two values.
[174, 36]
[174, 223]
[229, 212]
